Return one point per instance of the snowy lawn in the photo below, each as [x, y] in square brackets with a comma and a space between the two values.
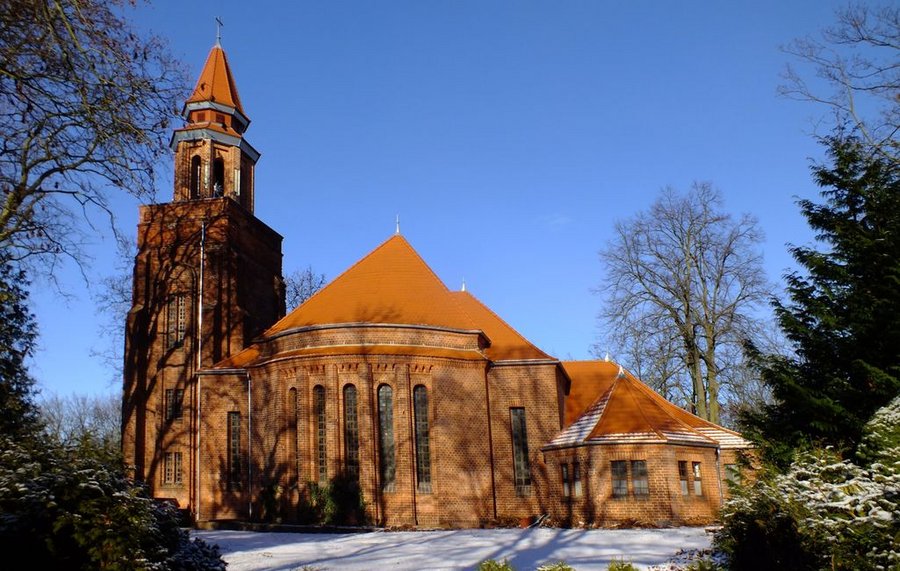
[526, 549]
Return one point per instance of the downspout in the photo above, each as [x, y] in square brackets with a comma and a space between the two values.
[249, 448]
[487, 395]
[199, 339]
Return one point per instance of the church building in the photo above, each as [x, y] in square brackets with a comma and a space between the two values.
[438, 411]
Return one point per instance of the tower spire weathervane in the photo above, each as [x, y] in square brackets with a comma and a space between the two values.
[219, 25]
[397, 231]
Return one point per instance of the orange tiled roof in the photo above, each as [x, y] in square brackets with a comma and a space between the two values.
[590, 379]
[608, 404]
[506, 343]
[216, 83]
[391, 285]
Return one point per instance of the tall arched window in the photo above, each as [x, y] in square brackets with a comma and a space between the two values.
[321, 450]
[196, 167]
[351, 433]
[386, 437]
[423, 450]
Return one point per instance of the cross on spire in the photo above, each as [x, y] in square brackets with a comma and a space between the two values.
[219, 25]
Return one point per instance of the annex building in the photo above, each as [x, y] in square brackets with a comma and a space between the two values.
[438, 410]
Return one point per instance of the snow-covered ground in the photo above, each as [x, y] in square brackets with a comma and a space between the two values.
[525, 549]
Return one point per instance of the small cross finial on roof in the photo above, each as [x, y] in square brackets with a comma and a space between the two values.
[219, 25]
[463, 288]
[607, 357]
[621, 374]
[397, 231]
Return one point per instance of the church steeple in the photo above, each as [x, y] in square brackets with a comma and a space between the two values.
[212, 157]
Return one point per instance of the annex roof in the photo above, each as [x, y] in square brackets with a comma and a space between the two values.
[607, 404]
[216, 84]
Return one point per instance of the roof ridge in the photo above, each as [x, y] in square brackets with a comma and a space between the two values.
[330, 284]
[645, 388]
[500, 319]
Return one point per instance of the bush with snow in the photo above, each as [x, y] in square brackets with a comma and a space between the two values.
[63, 509]
[824, 512]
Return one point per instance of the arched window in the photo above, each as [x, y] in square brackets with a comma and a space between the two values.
[423, 451]
[386, 437]
[351, 434]
[321, 450]
[218, 177]
[196, 168]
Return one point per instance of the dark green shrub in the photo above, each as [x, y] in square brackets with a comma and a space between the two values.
[339, 503]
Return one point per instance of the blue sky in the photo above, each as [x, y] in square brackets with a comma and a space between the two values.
[508, 136]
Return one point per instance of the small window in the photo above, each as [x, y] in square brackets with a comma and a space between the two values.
[698, 484]
[218, 177]
[564, 472]
[576, 479]
[639, 480]
[683, 476]
[619, 470]
[220, 118]
[201, 116]
[172, 469]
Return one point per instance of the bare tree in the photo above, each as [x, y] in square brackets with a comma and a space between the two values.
[78, 419]
[85, 105]
[859, 61]
[682, 280]
[301, 285]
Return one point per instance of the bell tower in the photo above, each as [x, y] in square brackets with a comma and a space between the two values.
[212, 158]
[207, 281]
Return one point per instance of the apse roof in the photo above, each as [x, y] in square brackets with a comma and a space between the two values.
[391, 285]
[607, 404]
[216, 84]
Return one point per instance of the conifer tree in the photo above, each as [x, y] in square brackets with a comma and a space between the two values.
[842, 316]
[18, 412]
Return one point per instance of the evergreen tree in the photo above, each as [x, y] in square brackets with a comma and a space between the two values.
[18, 331]
[843, 315]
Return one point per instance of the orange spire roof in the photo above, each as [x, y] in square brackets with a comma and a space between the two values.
[216, 84]
[391, 285]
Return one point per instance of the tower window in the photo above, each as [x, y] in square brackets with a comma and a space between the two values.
[174, 404]
[176, 320]
[172, 469]
[218, 177]
[351, 433]
[196, 170]
[386, 437]
[521, 467]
